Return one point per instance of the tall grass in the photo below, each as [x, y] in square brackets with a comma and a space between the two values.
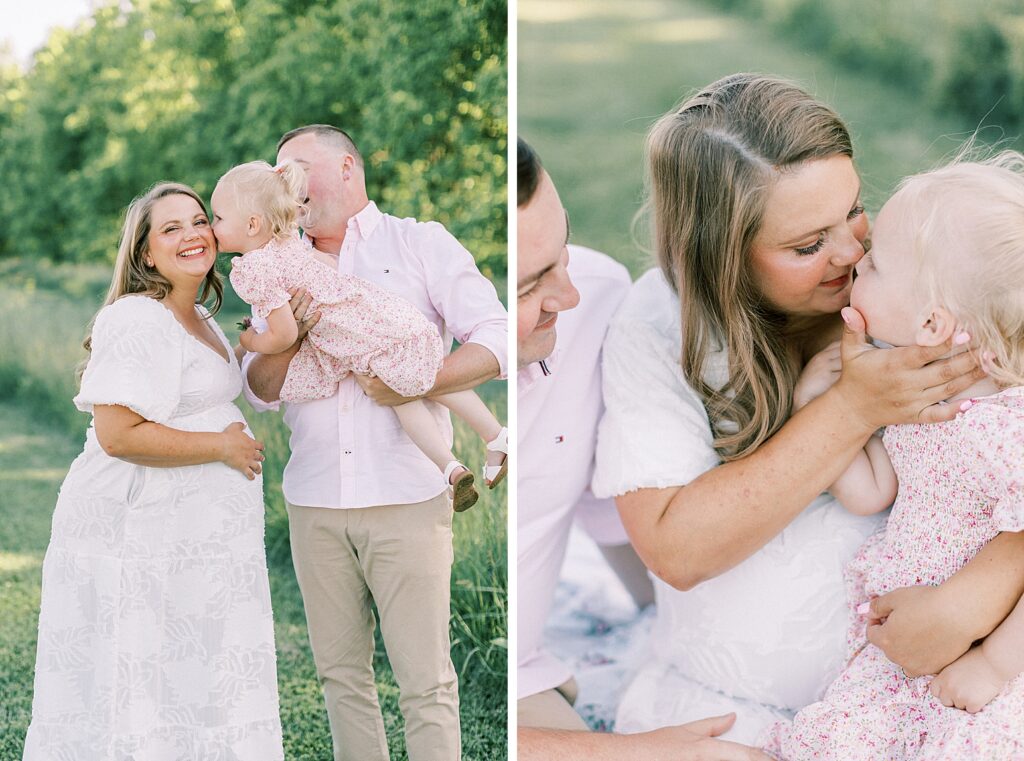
[44, 310]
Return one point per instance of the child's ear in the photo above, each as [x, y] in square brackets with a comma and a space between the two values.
[937, 326]
[255, 223]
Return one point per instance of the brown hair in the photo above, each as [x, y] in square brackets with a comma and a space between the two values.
[711, 165]
[131, 274]
[329, 134]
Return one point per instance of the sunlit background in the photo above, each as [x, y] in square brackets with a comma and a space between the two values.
[912, 79]
[101, 99]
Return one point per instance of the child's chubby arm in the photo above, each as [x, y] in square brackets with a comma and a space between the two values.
[974, 679]
[869, 484]
[281, 332]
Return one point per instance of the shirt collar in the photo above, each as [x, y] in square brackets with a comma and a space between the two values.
[366, 220]
[533, 372]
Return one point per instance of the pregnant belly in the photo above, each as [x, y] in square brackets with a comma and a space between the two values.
[773, 628]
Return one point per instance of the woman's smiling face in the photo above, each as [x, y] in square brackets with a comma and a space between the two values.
[181, 245]
[812, 234]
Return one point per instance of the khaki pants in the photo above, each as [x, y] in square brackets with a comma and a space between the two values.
[400, 557]
[551, 709]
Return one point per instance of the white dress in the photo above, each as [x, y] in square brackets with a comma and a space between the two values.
[766, 637]
[156, 639]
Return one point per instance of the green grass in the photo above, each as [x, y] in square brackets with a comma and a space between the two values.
[43, 311]
[595, 74]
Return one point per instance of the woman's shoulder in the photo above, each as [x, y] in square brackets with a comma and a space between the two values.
[652, 306]
[134, 308]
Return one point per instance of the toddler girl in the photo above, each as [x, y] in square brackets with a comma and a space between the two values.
[363, 328]
[947, 259]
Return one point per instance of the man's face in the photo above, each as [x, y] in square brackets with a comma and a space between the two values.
[324, 166]
[543, 284]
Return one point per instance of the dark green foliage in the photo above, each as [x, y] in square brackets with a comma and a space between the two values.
[968, 57]
[182, 90]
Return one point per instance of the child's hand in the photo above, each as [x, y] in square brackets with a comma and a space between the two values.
[970, 682]
[818, 376]
[247, 338]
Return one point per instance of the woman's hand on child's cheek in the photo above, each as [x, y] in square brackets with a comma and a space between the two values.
[818, 376]
[380, 392]
[970, 682]
[902, 385]
[920, 632]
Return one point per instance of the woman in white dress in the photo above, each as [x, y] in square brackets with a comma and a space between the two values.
[757, 223]
[156, 637]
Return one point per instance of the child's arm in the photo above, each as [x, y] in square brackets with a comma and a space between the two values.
[974, 679]
[869, 484]
[281, 332]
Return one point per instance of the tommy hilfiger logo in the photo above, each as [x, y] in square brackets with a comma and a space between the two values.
[559, 439]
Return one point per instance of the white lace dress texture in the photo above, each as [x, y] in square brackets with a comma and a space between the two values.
[156, 639]
[763, 639]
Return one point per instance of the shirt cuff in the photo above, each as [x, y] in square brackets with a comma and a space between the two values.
[257, 404]
[496, 342]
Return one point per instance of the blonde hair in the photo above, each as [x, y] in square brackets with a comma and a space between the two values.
[274, 193]
[966, 221]
[711, 164]
[131, 274]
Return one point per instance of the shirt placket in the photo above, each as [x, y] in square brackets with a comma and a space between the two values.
[347, 391]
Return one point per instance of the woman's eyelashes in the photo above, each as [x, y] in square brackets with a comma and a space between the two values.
[815, 247]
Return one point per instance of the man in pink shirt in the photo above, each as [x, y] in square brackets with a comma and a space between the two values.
[559, 401]
[369, 515]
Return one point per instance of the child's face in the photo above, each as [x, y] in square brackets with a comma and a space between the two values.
[230, 225]
[884, 290]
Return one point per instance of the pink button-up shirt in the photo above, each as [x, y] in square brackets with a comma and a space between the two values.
[347, 451]
[559, 407]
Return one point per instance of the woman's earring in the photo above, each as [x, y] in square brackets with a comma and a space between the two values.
[149, 262]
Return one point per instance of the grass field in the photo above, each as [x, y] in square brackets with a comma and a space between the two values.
[43, 311]
[594, 74]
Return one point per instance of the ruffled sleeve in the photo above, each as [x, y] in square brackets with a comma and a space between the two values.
[995, 432]
[137, 359]
[654, 432]
[258, 279]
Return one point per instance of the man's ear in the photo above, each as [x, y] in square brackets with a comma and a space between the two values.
[937, 325]
[347, 164]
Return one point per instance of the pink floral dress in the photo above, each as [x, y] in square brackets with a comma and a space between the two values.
[961, 483]
[363, 328]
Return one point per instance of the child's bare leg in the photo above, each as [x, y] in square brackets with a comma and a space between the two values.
[471, 408]
[422, 429]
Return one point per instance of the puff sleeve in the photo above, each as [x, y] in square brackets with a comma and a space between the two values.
[654, 432]
[257, 278]
[995, 432]
[137, 359]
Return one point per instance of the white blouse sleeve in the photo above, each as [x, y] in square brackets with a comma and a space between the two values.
[137, 359]
[654, 432]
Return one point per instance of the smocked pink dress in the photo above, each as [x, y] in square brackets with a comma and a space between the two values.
[363, 328]
[961, 483]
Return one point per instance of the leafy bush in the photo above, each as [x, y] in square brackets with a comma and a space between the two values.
[175, 89]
